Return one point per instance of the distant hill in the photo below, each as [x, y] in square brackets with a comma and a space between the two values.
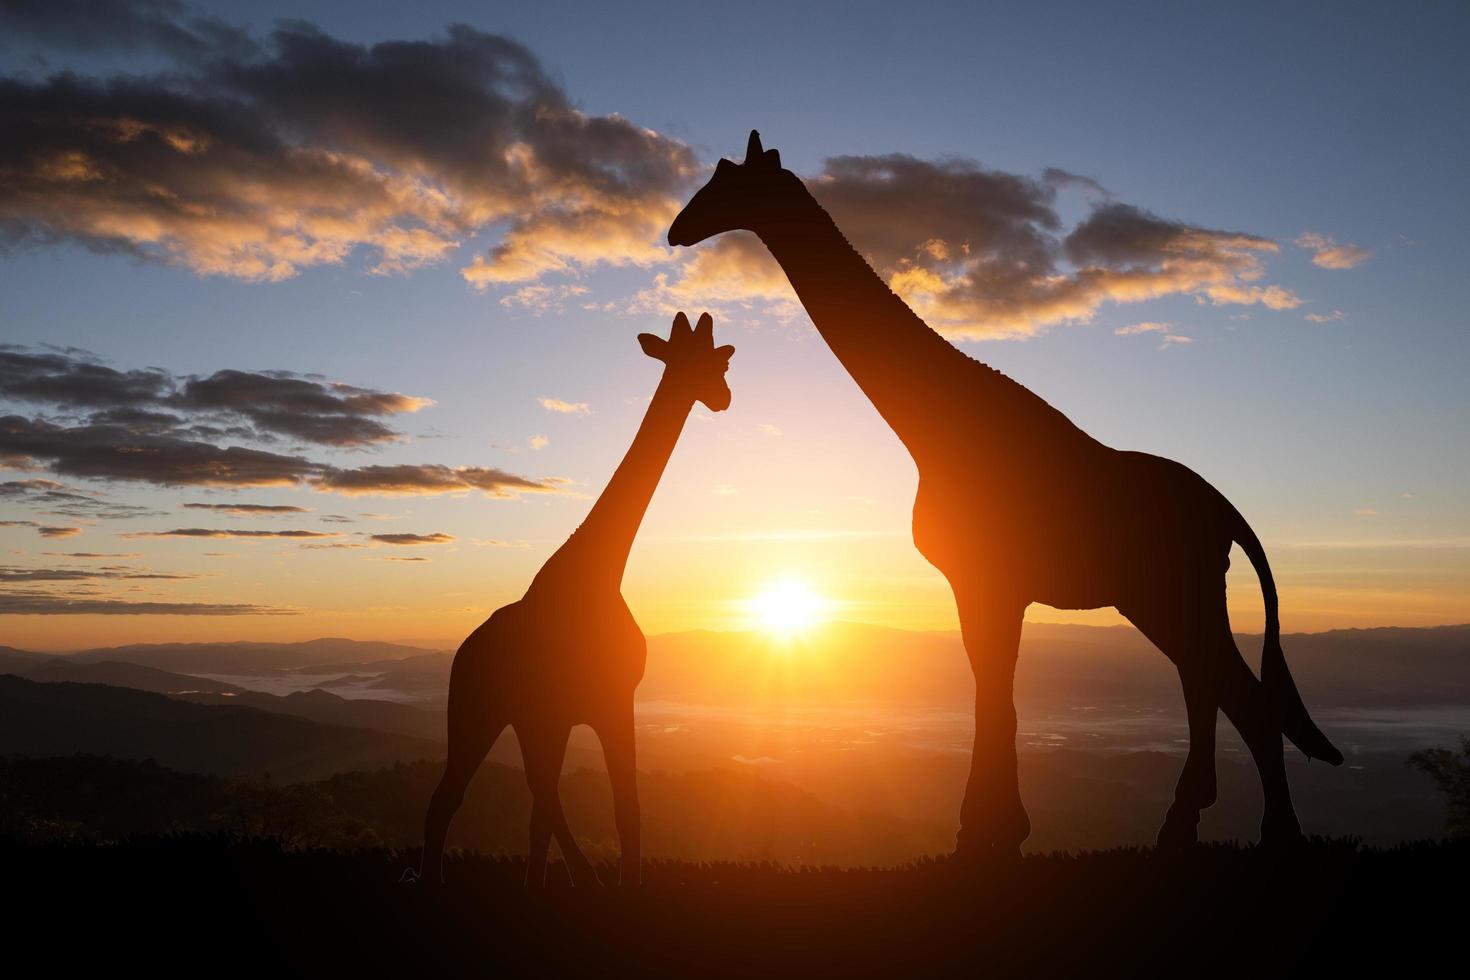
[1079, 665]
[329, 709]
[38, 719]
[118, 674]
[13, 660]
[850, 662]
[245, 658]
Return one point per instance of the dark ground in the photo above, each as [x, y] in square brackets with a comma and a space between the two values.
[198, 904]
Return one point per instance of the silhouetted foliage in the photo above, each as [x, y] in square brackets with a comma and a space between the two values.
[1451, 773]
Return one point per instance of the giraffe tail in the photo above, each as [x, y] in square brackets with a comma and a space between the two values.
[1286, 703]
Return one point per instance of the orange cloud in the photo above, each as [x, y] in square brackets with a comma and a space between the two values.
[981, 253]
[258, 159]
[562, 407]
[1329, 254]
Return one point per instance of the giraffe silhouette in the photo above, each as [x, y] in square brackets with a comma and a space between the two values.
[1016, 505]
[569, 651]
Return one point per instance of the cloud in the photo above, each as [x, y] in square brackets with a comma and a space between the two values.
[58, 499]
[248, 510]
[93, 554]
[398, 558]
[210, 532]
[113, 452]
[428, 478]
[30, 603]
[538, 441]
[332, 414]
[983, 253]
[1137, 328]
[97, 27]
[1332, 317]
[258, 158]
[1330, 255]
[103, 425]
[413, 539]
[564, 407]
[17, 574]
[1167, 338]
[769, 429]
[540, 299]
[44, 530]
[228, 402]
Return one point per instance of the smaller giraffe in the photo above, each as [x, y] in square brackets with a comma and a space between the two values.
[569, 652]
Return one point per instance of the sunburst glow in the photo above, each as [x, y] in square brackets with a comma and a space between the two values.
[787, 606]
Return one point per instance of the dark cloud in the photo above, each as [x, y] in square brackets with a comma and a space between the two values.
[44, 530]
[111, 452]
[58, 499]
[70, 380]
[226, 403]
[982, 253]
[93, 554]
[248, 510]
[107, 25]
[256, 160]
[211, 532]
[411, 539]
[285, 404]
[17, 574]
[429, 478]
[31, 603]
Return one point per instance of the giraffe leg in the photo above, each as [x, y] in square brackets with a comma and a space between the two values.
[1249, 710]
[542, 751]
[992, 817]
[468, 746]
[1196, 788]
[1191, 627]
[620, 751]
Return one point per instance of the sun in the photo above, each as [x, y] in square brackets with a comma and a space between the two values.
[787, 606]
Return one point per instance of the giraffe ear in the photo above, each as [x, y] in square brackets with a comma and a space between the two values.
[654, 346]
[725, 352]
[753, 149]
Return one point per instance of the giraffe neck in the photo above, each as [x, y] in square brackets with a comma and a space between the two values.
[597, 552]
[898, 361]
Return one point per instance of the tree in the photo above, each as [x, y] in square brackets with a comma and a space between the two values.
[1451, 773]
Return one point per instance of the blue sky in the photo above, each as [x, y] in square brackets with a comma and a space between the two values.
[1347, 120]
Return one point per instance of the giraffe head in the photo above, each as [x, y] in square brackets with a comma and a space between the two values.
[738, 196]
[692, 360]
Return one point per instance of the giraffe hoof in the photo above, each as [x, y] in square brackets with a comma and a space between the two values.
[1176, 838]
[1178, 834]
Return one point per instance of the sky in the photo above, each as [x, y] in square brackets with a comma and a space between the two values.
[356, 260]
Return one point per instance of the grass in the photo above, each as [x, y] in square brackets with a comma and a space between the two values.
[179, 904]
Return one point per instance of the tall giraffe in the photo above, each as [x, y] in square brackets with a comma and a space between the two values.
[1016, 505]
[569, 652]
